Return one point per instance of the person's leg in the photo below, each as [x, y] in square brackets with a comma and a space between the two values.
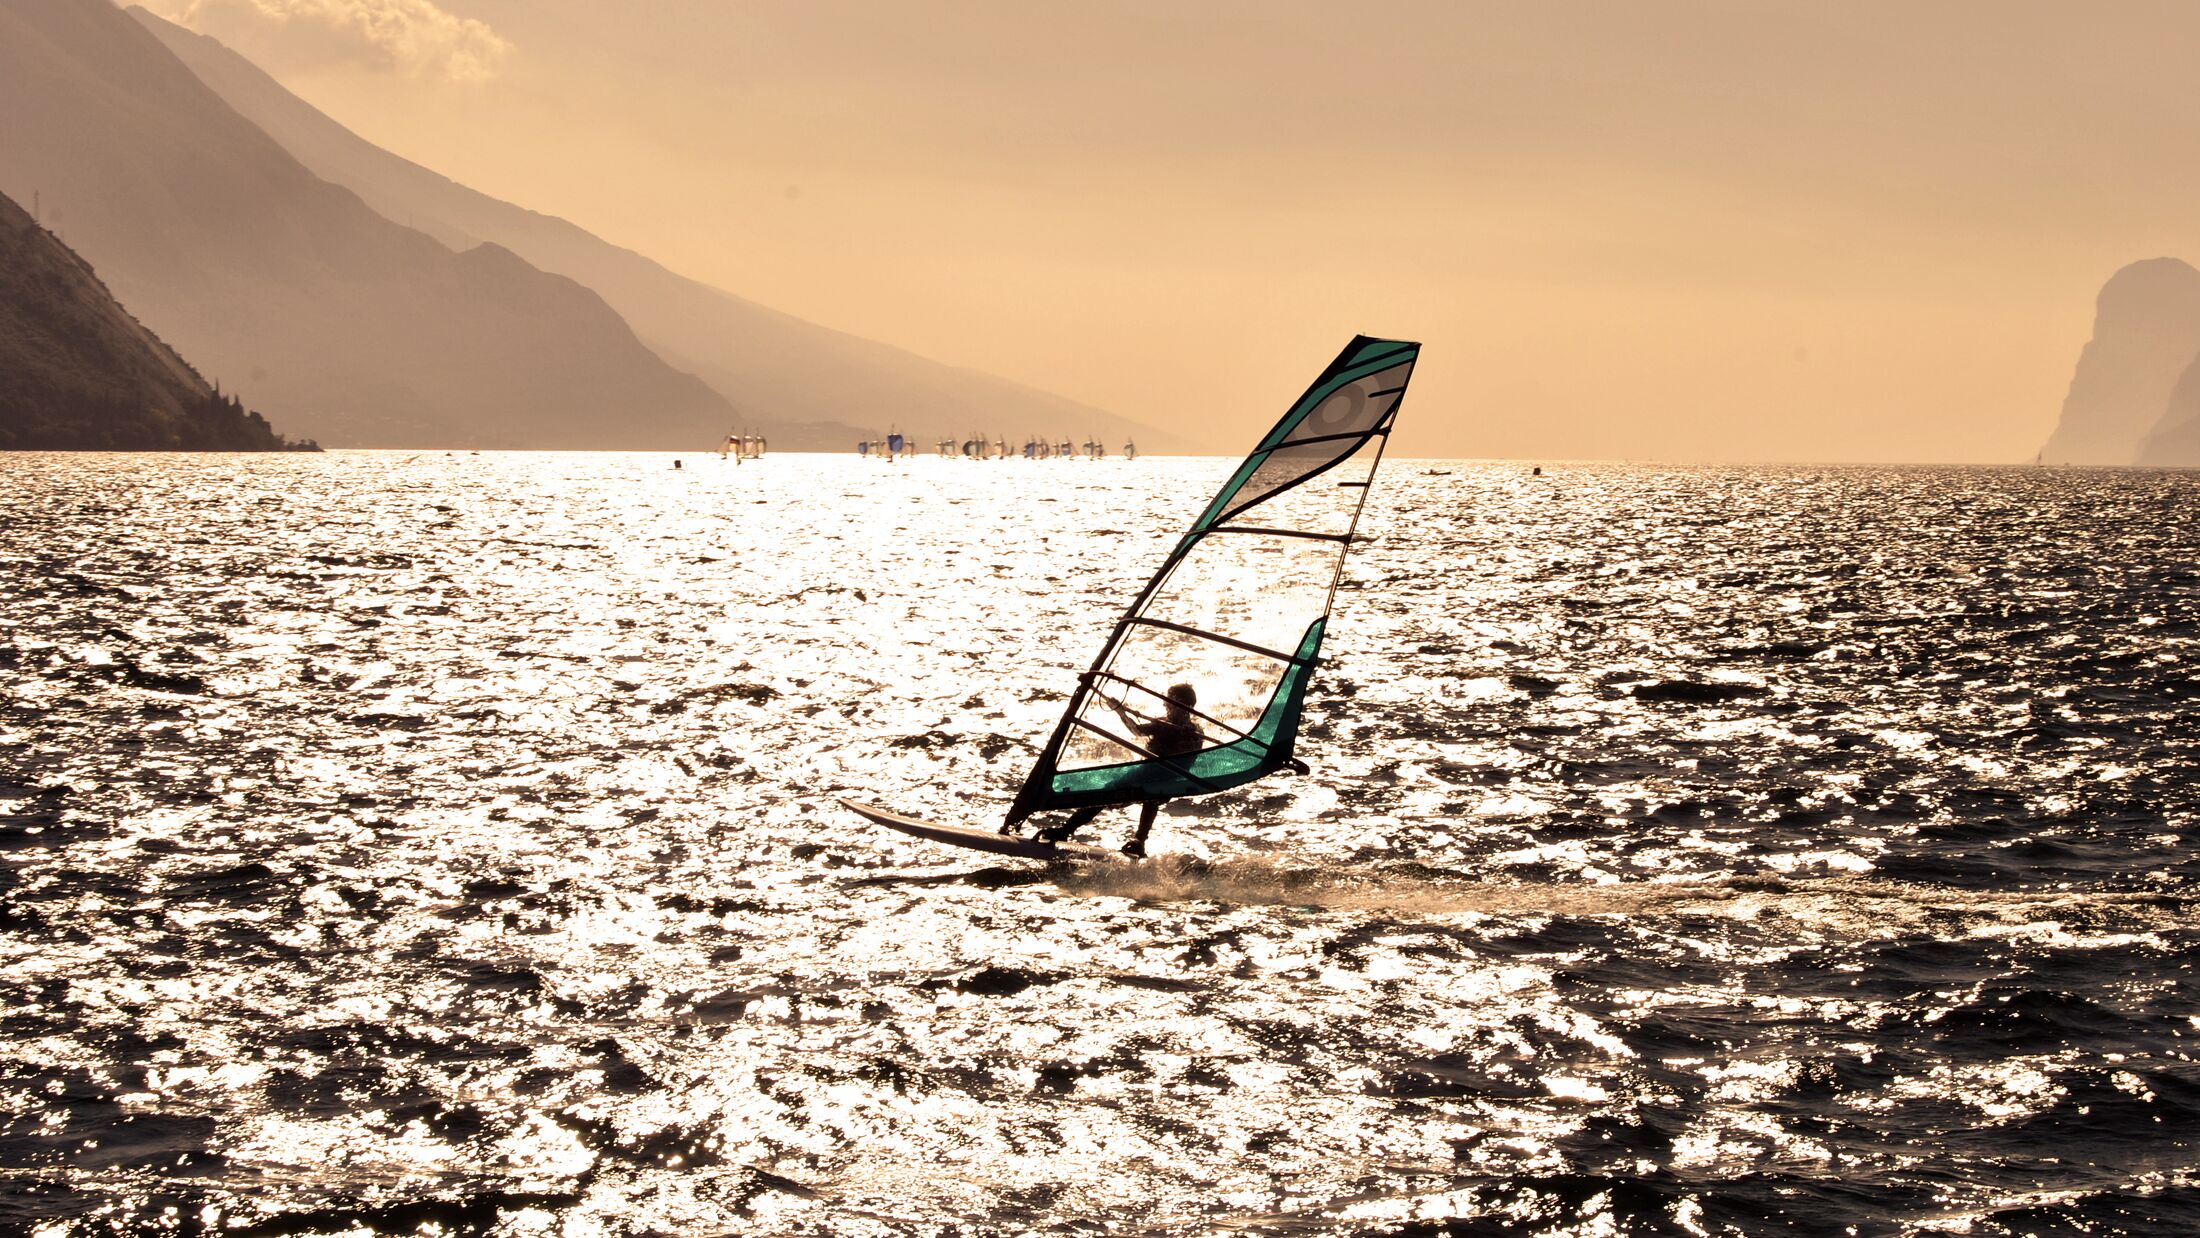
[1137, 845]
[1070, 824]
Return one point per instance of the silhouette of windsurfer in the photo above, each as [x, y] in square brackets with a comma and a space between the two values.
[1176, 733]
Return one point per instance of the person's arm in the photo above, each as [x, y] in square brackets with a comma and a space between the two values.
[1123, 711]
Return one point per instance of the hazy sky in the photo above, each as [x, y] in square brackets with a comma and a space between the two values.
[1653, 230]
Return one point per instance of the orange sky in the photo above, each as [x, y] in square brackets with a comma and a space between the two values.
[1681, 231]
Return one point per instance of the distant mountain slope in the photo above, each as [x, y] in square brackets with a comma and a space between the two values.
[2146, 333]
[346, 326]
[769, 363]
[77, 373]
[2175, 440]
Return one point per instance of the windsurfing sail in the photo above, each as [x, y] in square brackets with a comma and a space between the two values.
[1236, 612]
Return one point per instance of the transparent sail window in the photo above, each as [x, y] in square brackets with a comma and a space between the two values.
[1325, 503]
[1355, 407]
[1263, 589]
[1233, 685]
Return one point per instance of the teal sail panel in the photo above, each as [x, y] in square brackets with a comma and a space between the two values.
[1200, 686]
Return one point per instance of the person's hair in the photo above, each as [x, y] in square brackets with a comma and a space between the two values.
[1183, 694]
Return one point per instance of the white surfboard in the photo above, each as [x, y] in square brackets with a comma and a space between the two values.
[982, 840]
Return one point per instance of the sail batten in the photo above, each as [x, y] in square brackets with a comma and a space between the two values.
[1326, 537]
[1202, 634]
[1227, 633]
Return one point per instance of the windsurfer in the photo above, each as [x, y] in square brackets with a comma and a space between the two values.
[1176, 733]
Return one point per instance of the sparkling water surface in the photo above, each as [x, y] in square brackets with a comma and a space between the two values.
[447, 844]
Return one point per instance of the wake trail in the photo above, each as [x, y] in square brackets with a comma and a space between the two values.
[1860, 902]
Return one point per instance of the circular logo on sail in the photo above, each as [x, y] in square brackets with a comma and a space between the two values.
[1341, 411]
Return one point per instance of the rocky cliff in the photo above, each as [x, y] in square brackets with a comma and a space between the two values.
[2146, 335]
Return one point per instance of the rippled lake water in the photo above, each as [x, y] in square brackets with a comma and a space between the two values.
[441, 844]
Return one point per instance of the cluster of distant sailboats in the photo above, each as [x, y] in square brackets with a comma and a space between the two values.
[897, 445]
[739, 446]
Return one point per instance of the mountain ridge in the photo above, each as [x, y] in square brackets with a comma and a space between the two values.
[2175, 440]
[349, 327]
[768, 363]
